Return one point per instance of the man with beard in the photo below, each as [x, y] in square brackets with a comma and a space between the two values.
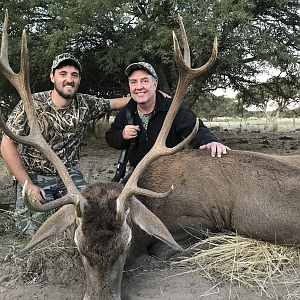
[63, 115]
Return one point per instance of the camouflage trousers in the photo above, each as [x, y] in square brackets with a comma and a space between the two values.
[27, 222]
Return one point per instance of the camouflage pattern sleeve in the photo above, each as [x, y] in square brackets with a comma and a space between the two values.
[98, 107]
[17, 121]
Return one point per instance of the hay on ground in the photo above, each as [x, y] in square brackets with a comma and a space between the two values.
[252, 263]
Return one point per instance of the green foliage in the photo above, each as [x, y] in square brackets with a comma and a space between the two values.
[210, 106]
[106, 36]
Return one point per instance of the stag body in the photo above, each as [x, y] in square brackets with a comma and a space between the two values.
[255, 195]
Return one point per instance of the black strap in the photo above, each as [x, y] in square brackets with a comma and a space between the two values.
[124, 156]
[15, 185]
[130, 122]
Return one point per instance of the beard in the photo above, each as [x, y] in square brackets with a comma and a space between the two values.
[65, 95]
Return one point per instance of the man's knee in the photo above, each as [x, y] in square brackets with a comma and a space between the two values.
[27, 222]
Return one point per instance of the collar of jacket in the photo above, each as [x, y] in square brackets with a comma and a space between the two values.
[160, 105]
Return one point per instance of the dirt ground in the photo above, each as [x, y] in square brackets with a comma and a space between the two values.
[148, 278]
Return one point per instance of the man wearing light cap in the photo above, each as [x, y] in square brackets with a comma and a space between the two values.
[148, 108]
[63, 115]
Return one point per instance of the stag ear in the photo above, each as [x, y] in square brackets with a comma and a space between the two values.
[148, 222]
[54, 225]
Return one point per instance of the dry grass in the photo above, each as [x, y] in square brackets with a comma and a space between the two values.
[254, 264]
[257, 265]
[60, 252]
[56, 260]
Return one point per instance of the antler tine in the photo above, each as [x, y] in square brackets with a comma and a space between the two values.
[35, 138]
[186, 75]
[187, 56]
[4, 43]
[69, 199]
[15, 79]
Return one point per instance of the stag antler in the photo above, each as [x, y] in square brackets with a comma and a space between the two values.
[35, 138]
[186, 75]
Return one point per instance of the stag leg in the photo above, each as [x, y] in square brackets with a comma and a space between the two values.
[191, 230]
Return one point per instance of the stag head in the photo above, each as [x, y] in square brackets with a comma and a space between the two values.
[103, 213]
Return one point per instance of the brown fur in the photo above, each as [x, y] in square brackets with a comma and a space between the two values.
[254, 194]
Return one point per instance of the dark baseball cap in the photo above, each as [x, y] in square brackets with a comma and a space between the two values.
[62, 57]
[141, 66]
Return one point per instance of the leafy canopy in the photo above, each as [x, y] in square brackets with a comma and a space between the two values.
[253, 36]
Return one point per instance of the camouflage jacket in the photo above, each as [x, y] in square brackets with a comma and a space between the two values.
[63, 129]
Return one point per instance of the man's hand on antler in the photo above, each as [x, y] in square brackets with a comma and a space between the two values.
[216, 148]
[36, 193]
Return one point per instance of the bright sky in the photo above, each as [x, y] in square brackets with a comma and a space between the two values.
[228, 93]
